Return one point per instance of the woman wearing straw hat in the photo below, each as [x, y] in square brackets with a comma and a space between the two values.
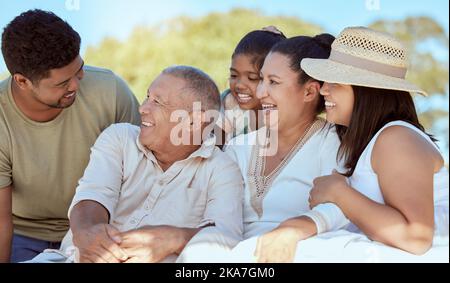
[395, 186]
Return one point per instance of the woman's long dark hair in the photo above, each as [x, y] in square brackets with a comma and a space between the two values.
[373, 108]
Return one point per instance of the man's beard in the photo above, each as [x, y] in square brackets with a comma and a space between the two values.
[57, 105]
[61, 106]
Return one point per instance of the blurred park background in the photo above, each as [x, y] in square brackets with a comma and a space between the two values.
[138, 38]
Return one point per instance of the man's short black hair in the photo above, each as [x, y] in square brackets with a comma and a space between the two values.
[37, 41]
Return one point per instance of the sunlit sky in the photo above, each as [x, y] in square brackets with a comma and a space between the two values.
[96, 19]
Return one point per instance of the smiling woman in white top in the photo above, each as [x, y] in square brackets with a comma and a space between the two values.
[277, 184]
[280, 161]
[396, 190]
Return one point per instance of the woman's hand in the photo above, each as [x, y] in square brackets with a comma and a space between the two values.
[327, 189]
[279, 245]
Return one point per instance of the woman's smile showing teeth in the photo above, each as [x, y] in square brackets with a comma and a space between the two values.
[268, 107]
[329, 104]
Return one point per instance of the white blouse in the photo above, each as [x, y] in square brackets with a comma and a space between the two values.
[287, 193]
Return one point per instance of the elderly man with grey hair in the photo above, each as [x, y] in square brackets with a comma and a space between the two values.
[145, 193]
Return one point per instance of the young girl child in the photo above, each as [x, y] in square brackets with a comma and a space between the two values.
[396, 190]
[239, 103]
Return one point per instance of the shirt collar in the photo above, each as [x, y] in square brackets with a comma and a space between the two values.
[205, 151]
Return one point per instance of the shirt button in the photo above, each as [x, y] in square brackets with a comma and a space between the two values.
[147, 207]
[161, 182]
[133, 221]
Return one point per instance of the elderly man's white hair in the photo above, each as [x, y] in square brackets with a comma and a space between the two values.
[199, 84]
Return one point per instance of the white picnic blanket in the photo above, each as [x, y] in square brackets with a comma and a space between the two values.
[338, 246]
[331, 247]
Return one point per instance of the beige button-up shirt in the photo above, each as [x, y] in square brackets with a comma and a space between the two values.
[125, 177]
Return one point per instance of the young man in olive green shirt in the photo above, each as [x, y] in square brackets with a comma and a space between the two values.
[52, 110]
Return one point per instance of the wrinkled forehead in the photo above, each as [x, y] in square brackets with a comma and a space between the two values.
[168, 88]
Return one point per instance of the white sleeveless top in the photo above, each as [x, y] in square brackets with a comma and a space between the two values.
[365, 180]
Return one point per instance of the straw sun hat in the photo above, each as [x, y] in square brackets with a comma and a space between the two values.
[364, 57]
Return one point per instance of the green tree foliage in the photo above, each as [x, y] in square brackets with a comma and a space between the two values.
[209, 41]
[426, 70]
[3, 76]
[206, 43]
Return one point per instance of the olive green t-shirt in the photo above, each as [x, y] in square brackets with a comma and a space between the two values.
[44, 161]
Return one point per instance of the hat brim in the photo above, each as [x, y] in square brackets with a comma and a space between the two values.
[333, 72]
